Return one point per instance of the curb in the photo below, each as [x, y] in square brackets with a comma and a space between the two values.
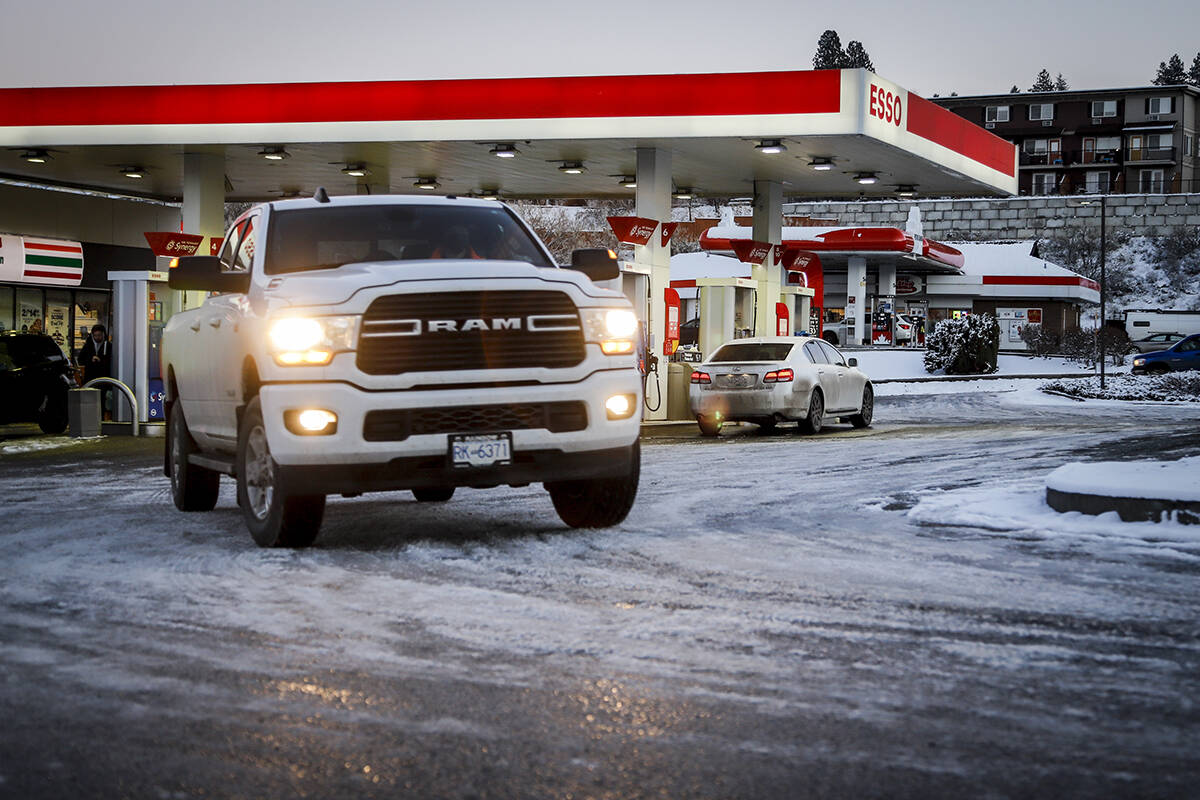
[1129, 509]
[989, 377]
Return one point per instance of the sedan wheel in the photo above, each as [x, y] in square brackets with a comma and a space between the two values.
[816, 414]
[863, 418]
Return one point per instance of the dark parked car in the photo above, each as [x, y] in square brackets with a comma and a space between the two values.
[34, 379]
[1184, 354]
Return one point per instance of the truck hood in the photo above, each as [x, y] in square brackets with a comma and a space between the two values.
[334, 286]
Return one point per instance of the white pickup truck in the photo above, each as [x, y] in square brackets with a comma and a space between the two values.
[379, 343]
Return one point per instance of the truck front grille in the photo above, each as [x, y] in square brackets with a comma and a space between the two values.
[394, 425]
[445, 331]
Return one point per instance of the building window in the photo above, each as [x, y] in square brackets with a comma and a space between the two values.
[1041, 111]
[1104, 108]
[1044, 183]
[1098, 182]
[996, 114]
[1160, 105]
[1151, 181]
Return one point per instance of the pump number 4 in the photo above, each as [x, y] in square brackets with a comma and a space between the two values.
[480, 450]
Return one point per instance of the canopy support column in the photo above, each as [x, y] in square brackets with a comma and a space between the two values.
[654, 202]
[203, 204]
[768, 227]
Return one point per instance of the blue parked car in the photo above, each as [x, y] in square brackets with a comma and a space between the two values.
[1184, 354]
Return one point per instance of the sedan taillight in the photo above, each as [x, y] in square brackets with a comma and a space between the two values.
[779, 376]
[701, 377]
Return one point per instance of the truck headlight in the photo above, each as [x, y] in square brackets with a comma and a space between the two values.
[612, 328]
[311, 340]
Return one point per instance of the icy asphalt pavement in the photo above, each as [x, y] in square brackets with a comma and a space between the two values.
[889, 613]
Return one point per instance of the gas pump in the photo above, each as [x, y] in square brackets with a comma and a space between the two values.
[142, 304]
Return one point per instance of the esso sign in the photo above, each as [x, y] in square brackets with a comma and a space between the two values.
[886, 105]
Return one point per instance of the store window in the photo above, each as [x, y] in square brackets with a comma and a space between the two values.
[29, 311]
[58, 318]
[6, 308]
[91, 308]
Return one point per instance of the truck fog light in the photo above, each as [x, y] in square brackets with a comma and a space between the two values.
[310, 421]
[620, 406]
[616, 347]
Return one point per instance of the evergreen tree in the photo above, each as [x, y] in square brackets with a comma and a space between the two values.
[830, 54]
[1014, 90]
[856, 56]
[1060, 83]
[1044, 82]
[1193, 75]
[1171, 73]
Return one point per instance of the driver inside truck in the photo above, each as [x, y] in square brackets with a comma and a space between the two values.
[456, 244]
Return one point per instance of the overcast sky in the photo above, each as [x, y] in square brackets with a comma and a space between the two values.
[926, 46]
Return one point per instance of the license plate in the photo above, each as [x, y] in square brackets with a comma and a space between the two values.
[481, 449]
[737, 381]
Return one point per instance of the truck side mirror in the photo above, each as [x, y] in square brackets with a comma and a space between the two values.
[598, 263]
[203, 273]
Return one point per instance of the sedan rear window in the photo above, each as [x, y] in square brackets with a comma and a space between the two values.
[751, 351]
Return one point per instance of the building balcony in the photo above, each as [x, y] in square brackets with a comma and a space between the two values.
[1143, 154]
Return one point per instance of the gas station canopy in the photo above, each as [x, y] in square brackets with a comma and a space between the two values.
[823, 133]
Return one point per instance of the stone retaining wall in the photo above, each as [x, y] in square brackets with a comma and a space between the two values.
[1014, 217]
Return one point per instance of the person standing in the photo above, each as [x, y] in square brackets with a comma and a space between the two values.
[96, 359]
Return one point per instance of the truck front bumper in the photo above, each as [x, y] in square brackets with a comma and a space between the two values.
[357, 457]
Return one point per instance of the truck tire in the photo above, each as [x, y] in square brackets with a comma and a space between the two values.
[192, 488]
[437, 494]
[275, 519]
[598, 503]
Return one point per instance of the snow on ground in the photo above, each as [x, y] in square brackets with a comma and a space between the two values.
[899, 364]
[1157, 480]
[1018, 510]
[39, 443]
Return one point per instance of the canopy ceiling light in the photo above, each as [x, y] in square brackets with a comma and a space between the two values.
[274, 153]
[488, 194]
[770, 146]
[684, 193]
[821, 164]
[356, 170]
[133, 172]
[628, 181]
[427, 182]
[36, 156]
[572, 167]
[505, 151]
[866, 178]
[906, 190]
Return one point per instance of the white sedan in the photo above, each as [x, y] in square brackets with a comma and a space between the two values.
[775, 379]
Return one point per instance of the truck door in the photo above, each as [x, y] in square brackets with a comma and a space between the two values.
[225, 337]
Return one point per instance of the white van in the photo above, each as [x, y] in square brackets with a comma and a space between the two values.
[1142, 322]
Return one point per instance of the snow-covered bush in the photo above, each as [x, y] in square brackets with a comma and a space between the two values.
[1174, 387]
[969, 345]
[1040, 341]
[1083, 346]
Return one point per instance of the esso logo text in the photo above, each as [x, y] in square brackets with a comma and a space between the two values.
[886, 105]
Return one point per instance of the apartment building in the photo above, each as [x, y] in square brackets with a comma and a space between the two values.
[1119, 141]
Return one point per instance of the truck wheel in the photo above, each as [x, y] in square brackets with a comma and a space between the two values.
[597, 503]
[816, 414]
[274, 518]
[867, 411]
[437, 494]
[709, 426]
[192, 488]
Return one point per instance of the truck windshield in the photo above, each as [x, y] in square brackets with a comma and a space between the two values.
[324, 238]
